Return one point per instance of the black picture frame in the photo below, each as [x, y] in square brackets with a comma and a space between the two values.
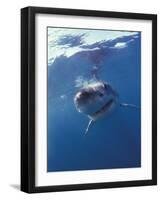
[28, 98]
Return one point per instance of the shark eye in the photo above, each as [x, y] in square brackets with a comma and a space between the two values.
[105, 85]
[100, 94]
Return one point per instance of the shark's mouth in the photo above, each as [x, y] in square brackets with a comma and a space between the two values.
[101, 111]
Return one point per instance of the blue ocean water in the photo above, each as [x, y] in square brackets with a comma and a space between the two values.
[113, 141]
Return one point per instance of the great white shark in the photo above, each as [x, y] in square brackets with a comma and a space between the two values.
[97, 100]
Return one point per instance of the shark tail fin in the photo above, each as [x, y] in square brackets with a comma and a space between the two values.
[89, 124]
[129, 105]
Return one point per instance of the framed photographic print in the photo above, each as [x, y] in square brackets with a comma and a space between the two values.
[88, 99]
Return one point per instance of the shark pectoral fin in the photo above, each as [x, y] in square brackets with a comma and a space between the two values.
[129, 105]
[89, 124]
